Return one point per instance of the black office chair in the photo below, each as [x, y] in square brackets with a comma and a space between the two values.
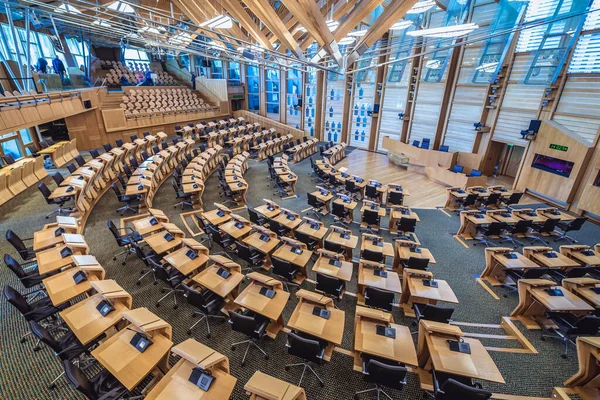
[307, 348]
[452, 389]
[278, 228]
[60, 201]
[101, 386]
[419, 263]
[547, 227]
[256, 218]
[317, 207]
[172, 277]
[26, 252]
[217, 237]
[130, 201]
[185, 198]
[252, 257]
[429, 312]
[514, 198]
[58, 178]
[375, 256]
[491, 201]
[382, 374]
[30, 279]
[371, 193]
[286, 271]
[372, 219]
[495, 229]
[253, 326]
[8, 159]
[119, 142]
[80, 161]
[67, 347]
[558, 275]
[329, 285]
[145, 155]
[340, 214]
[571, 325]
[522, 227]
[43, 144]
[529, 273]
[379, 298]
[351, 189]
[395, 198]
[71, 167]
[333, 246]
[468, 202]
[311, 243]
[145, 254]
[122, 181]
[50, 141]
[94, 153]
[208, 303]
[332, 182]
[33, 150]
[570, 226]
[107, 147]
[123, 239]
[133, 163]
[39, 311]
[404, 227]
[133, 138]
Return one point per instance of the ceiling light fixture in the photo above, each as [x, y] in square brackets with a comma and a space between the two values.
[400, 25]
[218, 22]
[331, 24]
[100, 22]
[67, 8]
[446, 31]
[360, 33]
[347, 40]
[421, 7]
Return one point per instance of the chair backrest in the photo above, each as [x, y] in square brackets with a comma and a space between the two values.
[379, 298]
[58, 178]
[458, 169]
[339, 210]
[312, 200]
[578, 272]
[576, 224]
[243, 251]
[514, 198]
[107, 147]
[282, 267]
[116, 190]
[133, 162]
[495, 228]
[407, 224]
[418, 263]
[522, 226]
[115, 231]
[453, 389]
[127, 170]
[79, 381]
[45, 192]
[588, 325]
[396, 198]
[437, 313]
[328, 284]
[80, 160]
[17, 243]
[44, 336]
[535, 273]
[393, 376]
[50, 141]
[371, 216]
[549, 225]
[119, 142]
[303, 237]
[8, 159]
[43, 144]
[349, 185]
[370, 191]
[475, 172]
[94, 153]
[470, 200]
[133, 138]
[14, 266]
[444, 149]
[245, 324]
[307, 349]
[193, 296]
[492, 198]
[71, 167]
[32, 149]
[376, 256]
[416, 143]
[254, 217]
[333, 246]
[17, 300]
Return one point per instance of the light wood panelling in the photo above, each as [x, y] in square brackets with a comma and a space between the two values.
[579, 108]
[427, 111]
[466, 110]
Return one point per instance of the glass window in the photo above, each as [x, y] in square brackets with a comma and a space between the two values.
[293, 101]
[272, 82]
[233, 69]
[217, 69]
[253, 88]
[77, 50]
[25, 136]
[310, 100]
[121, 7]
[11, 147]
[334, 107]
[362, 104]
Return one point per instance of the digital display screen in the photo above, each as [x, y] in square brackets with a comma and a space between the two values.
[553, 165]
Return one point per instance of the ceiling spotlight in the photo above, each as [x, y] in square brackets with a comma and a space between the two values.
[421, 7]
[218, 22]
[401, 25]
[446, 31]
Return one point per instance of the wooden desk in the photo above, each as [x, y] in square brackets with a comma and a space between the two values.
[453, 196]
[323, 266]
[366, 243]
[125, 362]
[584, 288]
[317, 234]
[214, 219]
[45, 238]
[269, 213]
[503, 216]
[251, 299]
[87, 323]
[62, 288]
[398, 212]
[265, 248]
[534, 301]
[588, 357]
[285, 253]
[50, 260]
[225, 288]
[180, 260]
[415, 291]
[144, 227]
[324, 197]
[400, 349]
[469, 223]
[349, 244]
[406, 249]
[555, 213]
[528, 214]
[560, 261]
[367, 278]
[496, 263]
[235, 232]
[330, 330]
[160, 245]
[263, 386]
[576, 252]
[282, 218]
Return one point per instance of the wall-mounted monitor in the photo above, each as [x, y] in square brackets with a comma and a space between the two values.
[553, 165]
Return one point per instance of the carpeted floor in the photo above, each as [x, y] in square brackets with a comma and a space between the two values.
[24, 373]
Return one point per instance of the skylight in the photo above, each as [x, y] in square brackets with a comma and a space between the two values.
[121, 7]
[446, 31]
[100, 22]
[421, 7]
[218, 22]
[67, 8]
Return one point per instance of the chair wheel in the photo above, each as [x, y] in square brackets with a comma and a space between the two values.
[194, 315]
[175, 307]
[563, 356]
[138, 283]
[322, 384]
[37, 348]
[22, 340]
[189, 332]
[543, 339]
[287, 368]
[157, 305]
[232, 348]
[208, 335]
[114, 258]
[242, 364]
[266, 356]
[162, 290]
[52, 387]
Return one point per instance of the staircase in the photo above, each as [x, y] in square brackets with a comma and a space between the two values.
[111, 100]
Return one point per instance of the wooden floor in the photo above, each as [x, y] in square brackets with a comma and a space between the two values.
[423, 191]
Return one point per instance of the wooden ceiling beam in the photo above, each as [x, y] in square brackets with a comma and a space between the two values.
[235, 8]
[393, 12]
[265, 12]
[340, 8]
[320, 25]
[355, 17]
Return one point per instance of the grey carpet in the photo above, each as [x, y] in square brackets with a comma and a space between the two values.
[25, 374]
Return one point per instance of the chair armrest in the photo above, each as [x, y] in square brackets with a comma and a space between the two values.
[436, 385]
